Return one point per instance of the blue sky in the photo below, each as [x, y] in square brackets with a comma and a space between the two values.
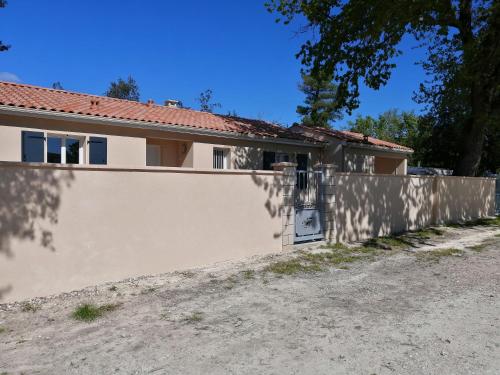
[175, 50]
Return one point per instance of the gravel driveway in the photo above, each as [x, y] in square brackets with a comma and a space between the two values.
[416, 309]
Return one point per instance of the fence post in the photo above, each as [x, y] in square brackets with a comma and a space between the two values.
[327, 202]
[288, 205]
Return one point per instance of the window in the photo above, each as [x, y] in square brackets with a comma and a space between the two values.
[64, 150]
[40, 147]
[271, 157]
[220, 158]
[268, 160]
[54, 145]
[302, 175]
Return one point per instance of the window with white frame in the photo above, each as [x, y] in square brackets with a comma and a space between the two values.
[64, 149]
[220, 157]
[40, 147]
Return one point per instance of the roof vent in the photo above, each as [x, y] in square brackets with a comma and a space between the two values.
[365, 138]
[150, 102]
[94, 103]
[172, 103]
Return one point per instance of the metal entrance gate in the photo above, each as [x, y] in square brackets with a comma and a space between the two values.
[308, 200]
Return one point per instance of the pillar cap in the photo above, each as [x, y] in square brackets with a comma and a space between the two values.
[326, 166]
[283, 165]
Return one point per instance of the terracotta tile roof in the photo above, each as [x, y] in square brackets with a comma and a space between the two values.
[347, 136]
[34, 97]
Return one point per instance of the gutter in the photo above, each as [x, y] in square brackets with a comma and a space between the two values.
[182, 129]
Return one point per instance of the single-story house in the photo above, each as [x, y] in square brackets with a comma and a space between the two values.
[355, 152]
[56, 126]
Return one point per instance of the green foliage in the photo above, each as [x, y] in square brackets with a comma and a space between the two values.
[29, 307]
[195, 317]
[355, 42]
[205, 100]
[121, 89]
[320, 106]
[436, 255]
[3, 47]
[89, 312]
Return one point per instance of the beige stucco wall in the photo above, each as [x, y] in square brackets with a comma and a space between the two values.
[376, 205]
[108, 224]
[464, 198]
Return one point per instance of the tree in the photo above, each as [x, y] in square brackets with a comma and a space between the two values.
[205, 99]
[392, 126]
[3, 47]
[404, 128]
[320, 103]
[121, 89]
[357, 40]
[57, 86]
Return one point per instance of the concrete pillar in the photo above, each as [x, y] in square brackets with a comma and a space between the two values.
[288, 205]
[327, 202]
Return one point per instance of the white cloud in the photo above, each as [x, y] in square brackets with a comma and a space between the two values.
[10, 77]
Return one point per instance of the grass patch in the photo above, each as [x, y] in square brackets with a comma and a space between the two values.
[195, 317]
[497, 235]
[478, 248]
[248, 274]
[337, 255]
[483, 222]
[387, 243]
[29, 307]
[427, 233]
[290, 267]
[89, 312]
[3, 329]
[436, 255]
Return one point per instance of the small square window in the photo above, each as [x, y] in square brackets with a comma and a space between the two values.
[220, 156]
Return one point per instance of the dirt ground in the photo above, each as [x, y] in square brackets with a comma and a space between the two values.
[417, 308]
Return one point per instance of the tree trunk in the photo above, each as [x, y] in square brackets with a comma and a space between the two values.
[473, 135]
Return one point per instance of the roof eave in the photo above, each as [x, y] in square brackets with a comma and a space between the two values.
[182, 129]
[377, 148]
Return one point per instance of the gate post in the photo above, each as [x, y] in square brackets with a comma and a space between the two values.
[288, 203]
[327, 201]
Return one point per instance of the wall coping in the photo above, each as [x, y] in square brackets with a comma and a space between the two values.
[88, 167]
[351, 174]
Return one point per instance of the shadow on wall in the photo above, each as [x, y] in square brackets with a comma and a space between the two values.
[378, 205]
[29, 203]
[251, 158]
[371, 206]
[464, 198]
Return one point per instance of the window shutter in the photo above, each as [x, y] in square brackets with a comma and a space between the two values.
[98, 150]
[32, 147]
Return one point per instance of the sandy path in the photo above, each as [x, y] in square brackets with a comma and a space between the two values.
[395, 315]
